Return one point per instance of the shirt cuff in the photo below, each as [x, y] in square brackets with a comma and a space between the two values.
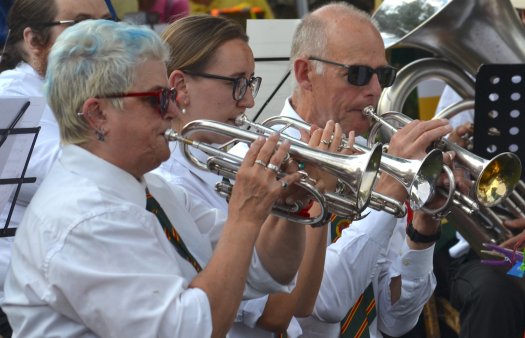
[250, 311]
[414, 264]
[259, 281]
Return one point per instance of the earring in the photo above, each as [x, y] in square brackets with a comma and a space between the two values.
[100, 134]
[183, 111]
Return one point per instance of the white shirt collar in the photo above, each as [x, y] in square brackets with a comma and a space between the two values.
[105, 175]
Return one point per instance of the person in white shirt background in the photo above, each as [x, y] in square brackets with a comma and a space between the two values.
[34, 25]
[212, 68]
[91, 257]
[375, 250]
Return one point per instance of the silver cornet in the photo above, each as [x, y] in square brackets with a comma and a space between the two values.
[495, 178]
[418, 177]
[357, 172]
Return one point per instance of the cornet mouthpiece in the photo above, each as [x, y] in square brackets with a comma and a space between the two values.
[170, 134]
[240, 120]
[368, 110]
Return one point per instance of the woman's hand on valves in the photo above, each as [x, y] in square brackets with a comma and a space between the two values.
[260, 182]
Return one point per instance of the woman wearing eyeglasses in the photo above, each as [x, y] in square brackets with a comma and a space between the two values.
[212, 68]
[107, 249]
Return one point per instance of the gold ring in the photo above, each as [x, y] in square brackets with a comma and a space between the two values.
[260, 162]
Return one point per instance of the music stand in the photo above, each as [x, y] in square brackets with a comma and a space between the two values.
[500, 110]
[17, 126]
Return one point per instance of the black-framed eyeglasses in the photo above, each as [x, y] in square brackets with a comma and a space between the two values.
[240, 84]
[159, 99]
[359, 75]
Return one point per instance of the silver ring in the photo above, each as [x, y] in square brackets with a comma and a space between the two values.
[273, 167]
[260, 162]
[284, 184]
[326, 142]
[341, 147]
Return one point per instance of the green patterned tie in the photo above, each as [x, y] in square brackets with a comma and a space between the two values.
[356, 322]
[169, 230]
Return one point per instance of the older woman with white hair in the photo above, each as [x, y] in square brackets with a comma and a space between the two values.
[106, 249]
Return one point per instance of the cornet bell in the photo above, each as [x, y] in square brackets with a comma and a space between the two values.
[498, 178]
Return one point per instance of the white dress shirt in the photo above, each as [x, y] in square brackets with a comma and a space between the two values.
[90, 261]
[24, 81]
[374, 250]
[200, 185]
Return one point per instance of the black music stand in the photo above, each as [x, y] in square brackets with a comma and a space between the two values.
[12, 129]
[500, 111]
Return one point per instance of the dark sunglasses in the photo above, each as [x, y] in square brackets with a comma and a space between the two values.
[240, 84]
[360, 75]
[158, 99]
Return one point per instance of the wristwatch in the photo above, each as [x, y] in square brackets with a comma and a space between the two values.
[420, 238]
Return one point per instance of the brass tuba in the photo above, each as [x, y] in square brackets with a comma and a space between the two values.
[462, 35]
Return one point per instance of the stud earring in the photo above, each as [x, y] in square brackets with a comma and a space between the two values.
[101, 136]
[183, 111]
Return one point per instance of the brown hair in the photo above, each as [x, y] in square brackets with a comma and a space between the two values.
[193, 40]
[22, 14]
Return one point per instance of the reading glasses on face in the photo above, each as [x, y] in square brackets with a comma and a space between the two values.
[360, 75]
[240, 84]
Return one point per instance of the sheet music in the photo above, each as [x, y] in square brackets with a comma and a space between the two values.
[14, 150]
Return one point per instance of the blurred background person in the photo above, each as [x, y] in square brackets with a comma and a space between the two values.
[150, 12]
[168, 10]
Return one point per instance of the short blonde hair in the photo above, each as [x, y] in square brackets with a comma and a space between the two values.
[95, 58]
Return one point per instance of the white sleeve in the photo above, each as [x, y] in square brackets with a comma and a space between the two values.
[259, 282]
[417, 284]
